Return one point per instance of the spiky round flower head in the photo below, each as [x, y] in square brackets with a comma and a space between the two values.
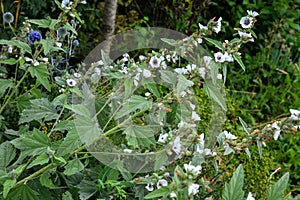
[34, 36]
[8, 17]
[76, 43]
[61, 32]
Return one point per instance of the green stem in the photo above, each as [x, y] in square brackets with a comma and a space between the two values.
[37, 173]
[13, 92]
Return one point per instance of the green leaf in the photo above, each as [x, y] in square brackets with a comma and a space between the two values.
[10, 61]
[171, 42]
[239, 60]
[259, 146]
[23, 192]
[42, 75]
[32, 143]
[234, 40]
[161, 192]
[70, 142]
[217, 43]
[139, 136]
[70, 28]
[276, 191]
[215, 93]
[105, 58]
[128, 84]
[39, 109]
[183, 84]
[40, 160]
[234, 189]
[67, 196]
[86, 189]
[7, 186]
[245, 126]
[73, 167]
[7, 154]
[47, 45]
[46, 181]
[160, 160]
[133, 104]
[4, 85]
[18, 44]
[44, 23]
[168, 77]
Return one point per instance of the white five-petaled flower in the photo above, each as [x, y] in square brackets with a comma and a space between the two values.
[127, 151]
[154, 62]
[163, 138]
[294, 114]
[66, 4]
[149, 187]
[142, 57]
[177, 146]
[199, 40]
[249, 197]
[147, 73]
[252, 13]
[229, 135]
[161, 183]
[247, 36]
[277, 130]
[71, 82]
[181, 70]
[246, 22]
[228, 57]
[193, 189]
[219, 57]
[189, 168]
[217, 27]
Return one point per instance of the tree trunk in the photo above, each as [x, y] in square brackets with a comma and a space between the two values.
[108, 26]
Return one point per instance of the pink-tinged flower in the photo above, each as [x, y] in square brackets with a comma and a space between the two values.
[71, 82]
[161, 183]
[219, 57]
[246, 22]
[154, 62]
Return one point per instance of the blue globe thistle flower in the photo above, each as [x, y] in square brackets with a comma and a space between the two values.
[8, 17]
[61, 32]
[76, 43]
[34, 36]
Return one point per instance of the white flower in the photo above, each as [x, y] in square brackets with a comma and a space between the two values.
[248, 36]
[193, 189]
[147, 73]
[246, 22]
[192, 106]
[181, 71]
[154, 62]
[36, 63]
[199, 40]
[229, 136]
[149, 187]
[147, 94]
[173, 195]
[202, 27]
[219, 57]
[77, 75]
[45, 59]
[249, 197]
[294, 114]
[195, 116]
[252, 13]
[71, 82]
[66, 4]
[217, 28]
[10, 49]
[174, 57]
[161, 183]
[228, 57]
[192, 169]
[163, 138]
[141, 57]
[58, 44]
[277, 130]
[100, 62]
[127, 151]
[219, 76]
[168, 57]
[177, 146]
[83, 2]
